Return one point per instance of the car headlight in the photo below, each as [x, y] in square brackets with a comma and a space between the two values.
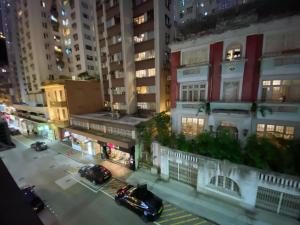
[144, 206]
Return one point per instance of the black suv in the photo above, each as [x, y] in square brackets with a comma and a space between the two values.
[39, 146]
[141, 201]
[95, 173]
[32, 199]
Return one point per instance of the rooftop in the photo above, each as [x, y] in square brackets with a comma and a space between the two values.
[112, 118]
[238, 17]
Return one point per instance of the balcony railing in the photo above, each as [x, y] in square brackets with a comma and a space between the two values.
[28, 108]
[282, 64]
[192, 73]
[233, 68]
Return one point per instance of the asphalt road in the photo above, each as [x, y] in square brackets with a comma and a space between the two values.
[69, 201]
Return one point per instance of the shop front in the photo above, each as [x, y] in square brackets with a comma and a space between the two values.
[118, 154]
[81, 143]
[114, 148]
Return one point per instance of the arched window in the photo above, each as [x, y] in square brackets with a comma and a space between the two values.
[233, 51]
[225, 184]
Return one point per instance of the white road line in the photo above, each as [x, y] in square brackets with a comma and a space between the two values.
[85, 185]
[107, 194]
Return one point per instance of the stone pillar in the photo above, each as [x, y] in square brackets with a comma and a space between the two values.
[164, 167]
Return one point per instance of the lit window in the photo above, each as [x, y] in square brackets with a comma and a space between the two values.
[266, 82]
[279, 131]
[233, 52]
[276, 82]
[191, 126]
[193, 92]
[139, 19]
[144, 55]
[43, 4]
[53, 18]
[56, 48]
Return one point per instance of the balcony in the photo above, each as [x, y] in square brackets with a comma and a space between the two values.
[112, 11]
[229, 108]
[146, 98]
[119, 98]
[116, 65]
[144, 46]
[145, 64]
[117, 82]
[144, 27]
[28, 108]
[279, 65]
[186, 105]
[192, 73]
[281, 111]
[145, 81]
[114, 30]
[115, 48]
[142, 8]
[58, 104]
[233, 69]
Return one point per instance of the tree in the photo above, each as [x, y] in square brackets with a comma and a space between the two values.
[204, 107]
[261, 108]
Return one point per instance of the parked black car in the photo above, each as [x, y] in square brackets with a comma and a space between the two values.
[140, 200]
[39, 146]
[14, 131]
[31, 198]
[95, 173]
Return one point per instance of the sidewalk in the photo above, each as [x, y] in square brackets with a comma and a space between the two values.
[210, 208]
[179, 194]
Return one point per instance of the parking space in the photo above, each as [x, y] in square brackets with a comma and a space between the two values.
[111, 187]
[173, 215]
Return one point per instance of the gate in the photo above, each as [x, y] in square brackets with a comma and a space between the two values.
[184, 173]
[278, 202]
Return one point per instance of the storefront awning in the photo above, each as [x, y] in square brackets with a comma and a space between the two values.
[123, 142]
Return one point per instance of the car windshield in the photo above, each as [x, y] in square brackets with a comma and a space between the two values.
[142, 194]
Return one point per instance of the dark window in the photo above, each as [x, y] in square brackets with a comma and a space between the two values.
[73, 15]
[88, 47]
[76, 47]
[85, 16]
[84, 5]
[78, 67]
[89, 57]
[86, 26]
[168, 3]
[167, 21]
[74, 25]
[77, 57]
[75, 36]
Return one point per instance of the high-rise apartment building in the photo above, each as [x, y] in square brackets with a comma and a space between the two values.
[133, 38]
[57, 39]
[185, 10]
[9, 28]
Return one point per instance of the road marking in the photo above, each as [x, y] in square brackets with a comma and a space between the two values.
[85, 185]
[171, 214]
[204, 221]
[175, 218]
[189, 220]
[170, 209]
[107, 194]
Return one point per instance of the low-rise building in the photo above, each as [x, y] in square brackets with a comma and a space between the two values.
[234, 75]
[65, 97]
[110, 135]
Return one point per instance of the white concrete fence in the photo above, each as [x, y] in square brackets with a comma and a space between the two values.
[249, 187]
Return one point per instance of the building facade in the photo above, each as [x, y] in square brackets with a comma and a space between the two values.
[68, 97]
[57, 40]
[9, 24]
[133, 39]
[234, 75]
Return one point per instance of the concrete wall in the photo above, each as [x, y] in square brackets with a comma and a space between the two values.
[83, 96]
[248, 179]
